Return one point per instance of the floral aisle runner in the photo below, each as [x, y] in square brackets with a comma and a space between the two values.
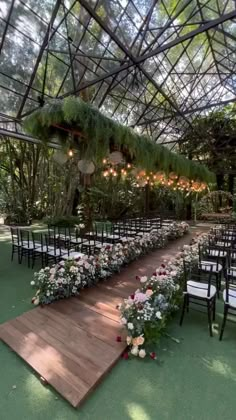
[145, 313]
[67, 278]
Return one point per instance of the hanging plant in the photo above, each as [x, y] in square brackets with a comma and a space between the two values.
[97, 135]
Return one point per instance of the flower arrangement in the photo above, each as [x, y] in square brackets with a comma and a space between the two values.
[145, 313]
[68, 277]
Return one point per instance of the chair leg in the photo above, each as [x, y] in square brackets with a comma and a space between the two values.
[33, 259]
[209, 317]
[20, 256]
[187, 303]
[214, 309]
[183, 310]
[28, 257]
[220, 275]
[224, 322]
[218, 286]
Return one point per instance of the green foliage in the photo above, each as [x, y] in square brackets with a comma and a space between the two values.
[63, 221]
[101, 134]
[212, 140]
[113, 198]
[215, 202]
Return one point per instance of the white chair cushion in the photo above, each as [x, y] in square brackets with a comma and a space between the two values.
[206, 266]
[76, 241]
[27, 245]
[232, 297]
[198, 289]
[44, 248]
[113, 236]
[126, 238]
[74, 255]
[216, 253]
[57, 252]
[232, 271]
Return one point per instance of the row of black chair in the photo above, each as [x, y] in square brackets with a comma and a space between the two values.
[217, 259]
[66, 242]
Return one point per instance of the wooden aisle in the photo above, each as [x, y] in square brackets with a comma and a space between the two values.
[72, 343]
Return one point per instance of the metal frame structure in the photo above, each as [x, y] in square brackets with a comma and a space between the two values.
[154, 65]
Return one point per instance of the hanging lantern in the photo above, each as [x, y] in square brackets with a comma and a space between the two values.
[60, 157]
[159, 176]
[86, 167]
[134, 171]
[115, 158]
[173, 176]
[142, 183]
[183, 180]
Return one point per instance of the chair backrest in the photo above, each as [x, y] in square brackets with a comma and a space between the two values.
[37, 238]
[15, 236]
[25, 237]
[51, 243]
[210, 253]
[230, 284]
[231, 258]
[200, 274]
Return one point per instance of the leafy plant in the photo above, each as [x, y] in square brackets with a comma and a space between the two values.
[73, 121]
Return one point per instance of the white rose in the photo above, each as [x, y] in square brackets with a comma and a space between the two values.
[134, 351]
[32, 283]
[142, 353]
[128, 340]
[143, 279]
[36, 301]
[123, 321]
[130, 326]
[158, 315]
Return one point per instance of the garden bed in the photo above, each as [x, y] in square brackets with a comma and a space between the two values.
[67, 278]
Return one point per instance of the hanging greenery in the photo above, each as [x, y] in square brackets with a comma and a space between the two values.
[79, 124]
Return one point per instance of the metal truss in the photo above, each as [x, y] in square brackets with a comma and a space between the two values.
[155, 66]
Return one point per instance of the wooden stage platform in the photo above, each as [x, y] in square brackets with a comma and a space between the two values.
[72, 343]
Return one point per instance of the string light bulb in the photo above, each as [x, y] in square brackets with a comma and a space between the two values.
[70, 153]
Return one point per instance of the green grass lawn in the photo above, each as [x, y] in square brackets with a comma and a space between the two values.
[194, 379]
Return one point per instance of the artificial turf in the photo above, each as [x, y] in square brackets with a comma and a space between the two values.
[191, 380]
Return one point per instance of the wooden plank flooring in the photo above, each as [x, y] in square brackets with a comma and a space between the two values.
[72, 343]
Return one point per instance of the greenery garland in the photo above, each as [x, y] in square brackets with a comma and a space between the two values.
[74, 121]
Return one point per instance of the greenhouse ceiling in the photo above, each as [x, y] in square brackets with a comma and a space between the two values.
[154, 65]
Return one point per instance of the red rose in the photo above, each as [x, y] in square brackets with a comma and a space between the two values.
[163, 265]
[125, 355]
[149, 287]
[137, 278]
[154, 274]
[153, 355]
[159, 273]
[118, 339]
[164, 273]
[132, 296]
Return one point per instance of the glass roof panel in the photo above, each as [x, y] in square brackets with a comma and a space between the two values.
[152, 64]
